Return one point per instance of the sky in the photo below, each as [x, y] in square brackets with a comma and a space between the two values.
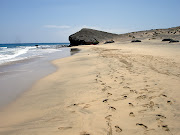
[52, 21]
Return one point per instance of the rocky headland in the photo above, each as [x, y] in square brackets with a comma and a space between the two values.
[90, 36]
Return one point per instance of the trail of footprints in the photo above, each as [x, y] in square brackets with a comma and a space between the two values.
[141, 95]
[138, 95]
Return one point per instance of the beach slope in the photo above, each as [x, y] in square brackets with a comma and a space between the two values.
[122, 88]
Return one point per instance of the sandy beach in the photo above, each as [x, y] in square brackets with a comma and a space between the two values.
[119, 88]
[89, 67]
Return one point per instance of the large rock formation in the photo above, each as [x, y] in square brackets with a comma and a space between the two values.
[89, 36]
[136, 41]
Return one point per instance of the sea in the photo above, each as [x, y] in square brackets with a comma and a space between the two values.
[22, 64]
[22, 51]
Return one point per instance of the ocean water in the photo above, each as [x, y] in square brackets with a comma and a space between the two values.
[21, 65]
[15, 52]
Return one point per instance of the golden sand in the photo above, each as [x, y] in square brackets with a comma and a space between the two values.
[120, 88]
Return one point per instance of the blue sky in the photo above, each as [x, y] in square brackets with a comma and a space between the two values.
[54, 20]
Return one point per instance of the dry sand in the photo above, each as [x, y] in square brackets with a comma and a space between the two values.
[121, 88]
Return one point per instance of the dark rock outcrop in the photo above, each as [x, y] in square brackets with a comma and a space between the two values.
[136, 41]
[74, 51]
[89, 36]
[36, 46]
[167, 39]
[173, 41]
[110, 41]
[170, 40]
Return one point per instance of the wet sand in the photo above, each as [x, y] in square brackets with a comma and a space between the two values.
[120, 88]
[18, 76]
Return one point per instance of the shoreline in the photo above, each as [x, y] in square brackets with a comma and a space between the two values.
[104, 89]
[27, 71]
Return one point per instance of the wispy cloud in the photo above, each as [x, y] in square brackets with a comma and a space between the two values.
[57, 26]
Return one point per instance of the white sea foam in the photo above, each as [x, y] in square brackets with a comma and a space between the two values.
[3, 47]
[23, 52]
[10, 53]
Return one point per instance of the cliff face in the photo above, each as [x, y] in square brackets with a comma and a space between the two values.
[89, 36]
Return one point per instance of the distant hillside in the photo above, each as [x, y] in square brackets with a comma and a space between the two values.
[153, 34]
[90, 36]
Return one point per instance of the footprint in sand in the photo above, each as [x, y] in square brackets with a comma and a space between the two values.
[98, 76]
[131, 105]
[84, 133]
[133, 91]
[74, 104]
[87, 106]
[150, 105]
[108, 117]
[104, 89]
[141, 92]
[169, 102]
[109, 94]
[165, 127]
[142, 125]
[118, 129]
[163, 95]
[124, 96]
[131, 114]
[142, 111]
[152, 97]
[121, 98]
[141, 97]
[144, 89]
[151, 91]
[105, 100]
[112, 108]
[121, 76]
[160, 122]
[160, 116]
[126, 87]
[64, 128]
